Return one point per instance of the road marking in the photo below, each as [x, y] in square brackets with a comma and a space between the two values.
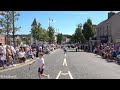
[58, 74]
[65, 55]
[64, 73]
[64, 62]
[70, 75]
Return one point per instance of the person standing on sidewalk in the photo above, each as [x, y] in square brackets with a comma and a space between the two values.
[41, 65]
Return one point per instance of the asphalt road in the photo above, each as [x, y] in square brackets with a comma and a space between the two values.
[73, 65]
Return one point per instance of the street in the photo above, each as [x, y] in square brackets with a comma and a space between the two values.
[72, 65]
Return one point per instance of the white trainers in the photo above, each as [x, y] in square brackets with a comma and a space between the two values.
[14, 65]
[48, 76]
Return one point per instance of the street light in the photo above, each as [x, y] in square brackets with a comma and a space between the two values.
[51, 20]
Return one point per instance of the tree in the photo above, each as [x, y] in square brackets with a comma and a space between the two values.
[36, 32]
[88, 29]
[89, 21]
[39, 33]
[15, 17]
[45, 36]
[78, 36]
[72, 38]
[59, 38]
[6, 22]
[51, 33]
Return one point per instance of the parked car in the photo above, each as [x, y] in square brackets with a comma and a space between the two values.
[72, 46]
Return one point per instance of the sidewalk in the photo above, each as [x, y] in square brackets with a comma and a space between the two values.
[28, 61]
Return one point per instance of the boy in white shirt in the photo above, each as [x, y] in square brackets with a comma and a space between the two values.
[41, 65]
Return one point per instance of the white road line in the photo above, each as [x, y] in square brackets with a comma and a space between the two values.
[64, 73]
[64, 62]
[70, 75]
[58, 74]
[65, 55]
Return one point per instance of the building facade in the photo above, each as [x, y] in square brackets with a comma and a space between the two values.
[109, 30]
[2, 39]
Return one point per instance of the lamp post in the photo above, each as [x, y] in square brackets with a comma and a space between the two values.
[50, 20]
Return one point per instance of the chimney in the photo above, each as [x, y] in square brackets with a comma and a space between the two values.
[110, 14]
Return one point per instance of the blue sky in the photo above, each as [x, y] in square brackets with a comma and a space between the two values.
[65, 21]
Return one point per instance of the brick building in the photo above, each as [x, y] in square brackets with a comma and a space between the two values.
[2, 39]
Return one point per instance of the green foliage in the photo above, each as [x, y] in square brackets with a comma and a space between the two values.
[6, 22]
[89, 21]
[78, 36]
[39, 33]
[59, 38]
[44, 35]
[88, 29]
[51, 35]
[72, 39]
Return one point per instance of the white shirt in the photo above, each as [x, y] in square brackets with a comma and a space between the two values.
[3, 58]
[21, 54]
[40, 48]
[40, 62]
[30, 53]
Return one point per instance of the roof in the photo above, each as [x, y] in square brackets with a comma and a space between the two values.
[34, 22]
[101, 23]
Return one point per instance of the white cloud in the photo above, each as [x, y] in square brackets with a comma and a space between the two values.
[79, 13]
